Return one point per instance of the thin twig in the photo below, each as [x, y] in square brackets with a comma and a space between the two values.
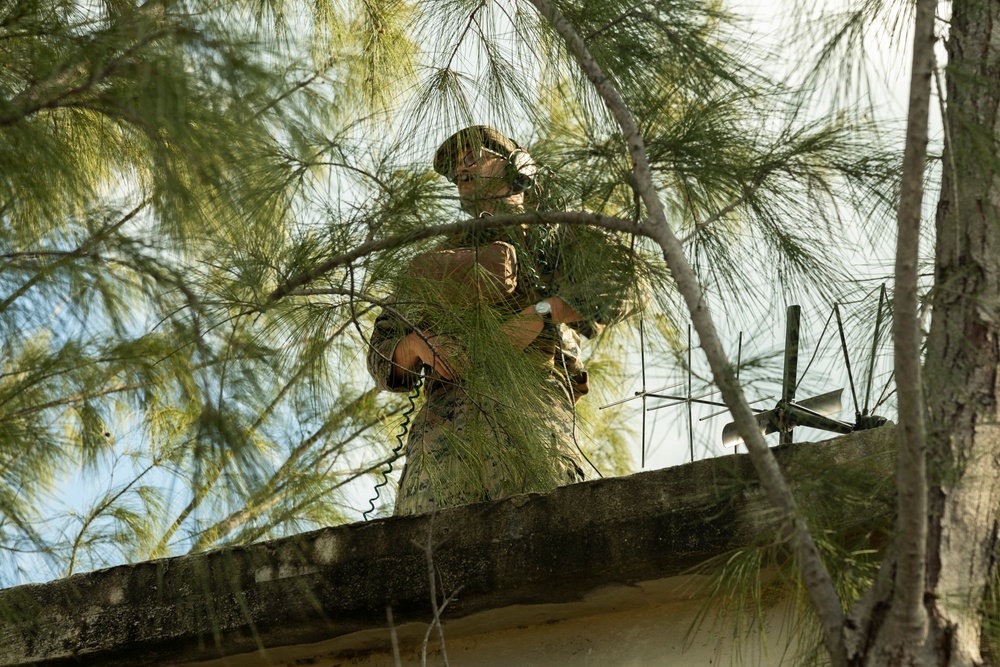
[392, 637]
[216, 532]
[613, 22]
[949, 146]
[81, 251]
[428, 549]
[726, 210]
[465, 31]
[280, 98]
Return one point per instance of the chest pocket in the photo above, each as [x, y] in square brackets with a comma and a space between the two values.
[487, 274]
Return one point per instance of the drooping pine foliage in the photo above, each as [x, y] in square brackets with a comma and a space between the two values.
[173, 174]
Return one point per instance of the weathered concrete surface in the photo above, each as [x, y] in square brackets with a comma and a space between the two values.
[527, 550]
[649, 624]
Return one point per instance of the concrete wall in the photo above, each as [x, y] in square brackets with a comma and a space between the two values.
[646, 624]
[553, 575]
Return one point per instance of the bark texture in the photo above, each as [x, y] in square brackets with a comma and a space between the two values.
[963, 354]
[908, 621]
[963, 439]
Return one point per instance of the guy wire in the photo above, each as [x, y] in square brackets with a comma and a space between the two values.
[819, 342]
[398, 449]
[847, 359]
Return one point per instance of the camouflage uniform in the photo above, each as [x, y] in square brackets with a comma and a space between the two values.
[439, 471]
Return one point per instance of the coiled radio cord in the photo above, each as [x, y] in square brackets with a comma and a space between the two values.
[398, 449]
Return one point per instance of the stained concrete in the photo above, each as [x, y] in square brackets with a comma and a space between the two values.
[512, 560]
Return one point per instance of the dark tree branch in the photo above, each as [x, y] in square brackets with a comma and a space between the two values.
[911, 468]
[817, 580]
[399, 240]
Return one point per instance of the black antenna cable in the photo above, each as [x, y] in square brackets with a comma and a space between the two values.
[398, 449]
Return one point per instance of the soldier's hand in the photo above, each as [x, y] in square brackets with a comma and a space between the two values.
[440, 352]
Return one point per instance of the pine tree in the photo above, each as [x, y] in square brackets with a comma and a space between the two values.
[204, 209]
[151, 167]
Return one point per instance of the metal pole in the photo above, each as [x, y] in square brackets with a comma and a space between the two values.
[642, 357]
[789, 376]
[871, 363]
[847, 358]
[689, 402]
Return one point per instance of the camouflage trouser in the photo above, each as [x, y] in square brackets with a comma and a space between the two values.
[444, 468]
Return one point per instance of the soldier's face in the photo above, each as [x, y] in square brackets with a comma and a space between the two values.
[480, 175]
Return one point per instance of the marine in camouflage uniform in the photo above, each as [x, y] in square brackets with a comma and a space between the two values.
[530, 442]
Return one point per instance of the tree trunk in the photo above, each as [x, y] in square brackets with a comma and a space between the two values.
[962, 355]
[963, 439]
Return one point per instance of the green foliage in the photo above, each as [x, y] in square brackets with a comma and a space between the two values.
[167, 169]
[848, 504]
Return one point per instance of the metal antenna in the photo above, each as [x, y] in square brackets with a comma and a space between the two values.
[644, 393]
[739, 362]
[677, 400]
[739, 356]
[642, 357]
[892, 375]
[651, 394]
[847, 359]
[788, 413]
[690, 413]
[791, 363]
[883, 396]
[722, 412]
[871, 364]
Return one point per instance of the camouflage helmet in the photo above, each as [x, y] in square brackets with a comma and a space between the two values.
[477, 136]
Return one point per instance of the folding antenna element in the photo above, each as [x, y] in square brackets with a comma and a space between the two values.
[643, 393]
[675, 400]
[689, 404]
[789, 413]
[865, 418]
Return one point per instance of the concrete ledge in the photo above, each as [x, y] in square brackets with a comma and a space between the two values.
[315, 587]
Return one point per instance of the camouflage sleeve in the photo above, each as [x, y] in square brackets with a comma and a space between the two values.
[386, 334]
[594, 278]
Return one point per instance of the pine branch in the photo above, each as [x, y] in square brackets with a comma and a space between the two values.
[255, 534]
[70, 400]
[288, 93]
[817, 580]
[97, 511]
[911, 466]
[465, 31]
[79, 78]
[83, 250]
[270, 494]
[726, 210]
[201, 492]
[495, 222]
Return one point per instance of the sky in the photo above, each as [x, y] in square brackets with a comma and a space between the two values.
[670, 431]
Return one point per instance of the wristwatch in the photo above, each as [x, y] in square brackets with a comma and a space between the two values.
[544, 310]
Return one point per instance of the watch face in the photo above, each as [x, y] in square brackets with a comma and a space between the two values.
[543, 308]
